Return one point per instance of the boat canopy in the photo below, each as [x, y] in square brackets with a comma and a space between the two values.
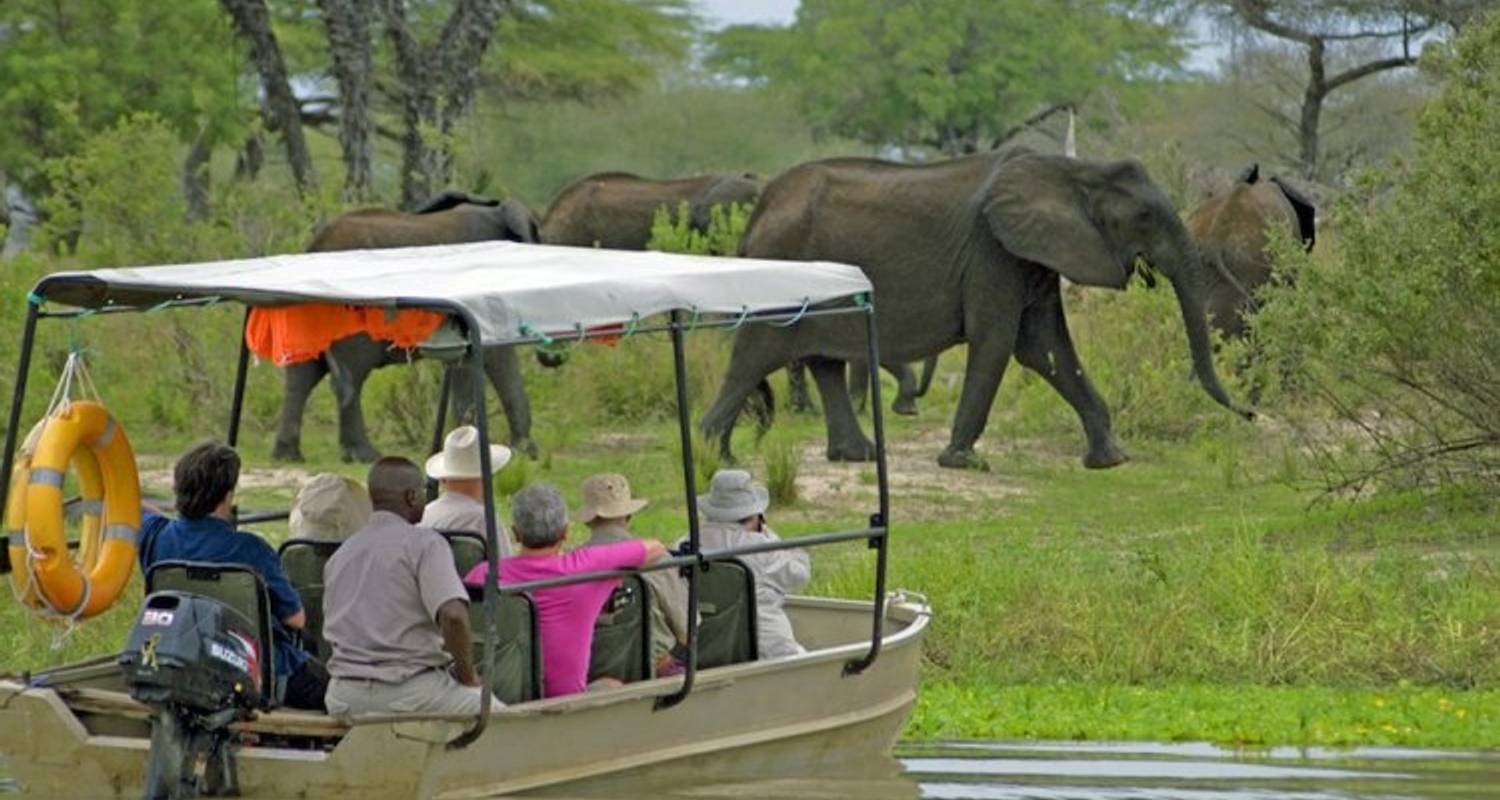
[514, 291]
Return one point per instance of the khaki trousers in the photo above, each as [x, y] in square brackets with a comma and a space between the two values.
[432, 691]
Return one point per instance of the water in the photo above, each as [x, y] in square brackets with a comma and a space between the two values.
[1137, 771]
[1092, 771]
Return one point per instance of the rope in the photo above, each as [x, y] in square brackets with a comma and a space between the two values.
[744, 314]
[694, 319]
[796, 319]
[635, 321]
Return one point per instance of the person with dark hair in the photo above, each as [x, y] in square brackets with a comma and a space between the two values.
[394, 611]
[203, 482]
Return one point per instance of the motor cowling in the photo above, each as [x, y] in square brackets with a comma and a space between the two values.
[192, 652]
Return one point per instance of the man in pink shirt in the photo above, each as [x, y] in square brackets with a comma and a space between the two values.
[565, 614]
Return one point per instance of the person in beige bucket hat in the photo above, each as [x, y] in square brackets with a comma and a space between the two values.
[607, 510]
[329, 506]
[460, 506]
[734, 515]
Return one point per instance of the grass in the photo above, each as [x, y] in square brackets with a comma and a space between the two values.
[1203, 591]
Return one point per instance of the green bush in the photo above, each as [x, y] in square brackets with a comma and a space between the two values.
[674, 233]
[1398, 333]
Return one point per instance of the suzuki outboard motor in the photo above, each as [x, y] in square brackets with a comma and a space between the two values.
[196, 663]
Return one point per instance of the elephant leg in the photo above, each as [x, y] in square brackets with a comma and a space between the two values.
[797, 398]
[988, 356]
[859, 384]
[298, 381]
[350, 362]
[846, 442]
[1045, 347]
[906, 392]
[929, 370]
[504, 369]
[756, 354]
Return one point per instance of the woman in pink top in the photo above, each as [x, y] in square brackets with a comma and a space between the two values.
[565, 614]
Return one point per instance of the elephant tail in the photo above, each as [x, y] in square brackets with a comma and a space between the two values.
[762, 406]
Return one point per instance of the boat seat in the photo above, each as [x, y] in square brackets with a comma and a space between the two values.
[468, 549]
[622, 634]
[517, 676]
[726, 601]
[303, 561]
[235, 585]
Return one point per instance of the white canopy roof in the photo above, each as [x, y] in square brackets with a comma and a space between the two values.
[505, 285]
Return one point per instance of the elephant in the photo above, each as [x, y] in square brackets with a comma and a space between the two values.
[1232, 228]
[615, 209]
[449, 218]
[966, 250]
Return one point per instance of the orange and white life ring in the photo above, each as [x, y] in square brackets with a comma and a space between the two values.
[85, 435]
[91, 508]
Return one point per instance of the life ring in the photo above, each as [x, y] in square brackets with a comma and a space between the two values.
[84, 434]
[91, 503]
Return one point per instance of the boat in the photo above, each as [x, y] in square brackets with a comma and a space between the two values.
[77, 731]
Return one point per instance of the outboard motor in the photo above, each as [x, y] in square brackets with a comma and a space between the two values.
[196, 663]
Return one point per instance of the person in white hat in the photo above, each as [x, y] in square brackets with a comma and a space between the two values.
[329, 506]
[460, 506]
[607, 510]
[734, 515]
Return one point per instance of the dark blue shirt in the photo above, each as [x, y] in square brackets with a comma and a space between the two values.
[212, 540]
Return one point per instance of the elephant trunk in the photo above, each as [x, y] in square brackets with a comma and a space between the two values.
[1191, 298]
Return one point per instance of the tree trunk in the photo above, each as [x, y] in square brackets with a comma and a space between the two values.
[23, 218]
[437, 85]
[251, 158]
[348, 26]
[195, 177]
[1312, 108]
[252, 21]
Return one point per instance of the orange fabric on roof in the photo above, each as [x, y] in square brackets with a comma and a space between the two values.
[289, 334]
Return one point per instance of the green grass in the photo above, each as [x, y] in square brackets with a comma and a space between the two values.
[1203, 591]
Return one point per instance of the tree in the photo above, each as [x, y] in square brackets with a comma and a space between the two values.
[950, 75]
[252, 20]
[348, 24]
[1389, 31]
[1397, 331]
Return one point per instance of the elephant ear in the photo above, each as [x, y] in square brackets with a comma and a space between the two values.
[1306, 212]
[1038, 211]
[451, 199]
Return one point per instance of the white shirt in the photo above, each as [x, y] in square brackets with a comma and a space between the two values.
[454, 511]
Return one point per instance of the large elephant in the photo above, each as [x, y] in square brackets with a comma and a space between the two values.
[449, 218]
[1232, 229]
[615, 209]
[967, 250]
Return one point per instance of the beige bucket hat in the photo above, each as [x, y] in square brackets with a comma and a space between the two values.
[459, 458]
[733, 496]
[608, 495]
[329, 506]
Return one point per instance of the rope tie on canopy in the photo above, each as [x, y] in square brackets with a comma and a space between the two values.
[744, 315]
[802, 312]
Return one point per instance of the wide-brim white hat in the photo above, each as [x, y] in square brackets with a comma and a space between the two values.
[459, 458]
[733, 496]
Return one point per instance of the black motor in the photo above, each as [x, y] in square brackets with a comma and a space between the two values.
[197, 663]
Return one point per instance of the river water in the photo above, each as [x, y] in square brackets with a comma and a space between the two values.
[1138, 771]
[1131, 771]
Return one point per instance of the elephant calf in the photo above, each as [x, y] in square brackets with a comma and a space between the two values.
[449, 218]
[615, 209]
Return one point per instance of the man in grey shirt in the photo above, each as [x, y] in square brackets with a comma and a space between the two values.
[460, 507]
[395, 612]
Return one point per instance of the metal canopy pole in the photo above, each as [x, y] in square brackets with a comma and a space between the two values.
[241, 373]
[491, 537]
[17, 400]
[690, 484]
[881, 519]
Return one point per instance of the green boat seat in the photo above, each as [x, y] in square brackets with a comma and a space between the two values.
[468, 549]
[235, 585]
[622, 634]
[303, 561]
[726, 604]
[517, 674]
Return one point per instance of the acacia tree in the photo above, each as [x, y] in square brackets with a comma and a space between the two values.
[1325, 30]
[951, 75]
[252, 20]
[348, 25]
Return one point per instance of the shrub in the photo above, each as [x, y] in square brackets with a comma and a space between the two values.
[674, 233]
[783, 461]
[1397, 334]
